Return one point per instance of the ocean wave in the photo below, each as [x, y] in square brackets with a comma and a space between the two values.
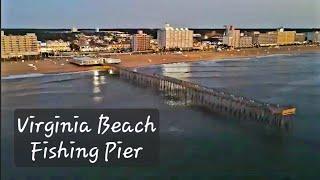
[275, 55]
[231, 59]
[35, 75]
[175, 130]
[21, 76]
[60, 80]
[192, 71]
[38, 93]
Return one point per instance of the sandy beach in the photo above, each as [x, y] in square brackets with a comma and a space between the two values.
[152, 59]
[63, 65]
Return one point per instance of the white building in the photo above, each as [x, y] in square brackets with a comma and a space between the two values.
[170, 37]
[55, 46]
[231, 37]
[74, 29]
[316, 37]
[313, 36]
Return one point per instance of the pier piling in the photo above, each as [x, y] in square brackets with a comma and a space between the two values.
[213, 99]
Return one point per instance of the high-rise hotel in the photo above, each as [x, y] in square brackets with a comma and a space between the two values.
[19, 46]
[140, 42]
[231, 37]
[170, 37]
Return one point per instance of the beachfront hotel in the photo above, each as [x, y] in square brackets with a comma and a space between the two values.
[170, 37]
[245, 42]
[267, 39]
[285, 37]
[279, 37]
[55, 46]
[300, 37]
[14, 46]
[231, 37]
[234, 39]
[140, 42]
[313, 36]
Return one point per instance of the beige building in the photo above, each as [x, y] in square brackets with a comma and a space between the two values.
[170, 37]
[254, 35]
[19, 46]
[245, 42]
[286, 37]
[55, 46]
[279, 37]
[140, 42]
[231, 37]
[300, 37]
[267, 39]
[118, 46]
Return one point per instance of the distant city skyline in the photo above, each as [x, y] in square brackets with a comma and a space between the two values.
[153, 14]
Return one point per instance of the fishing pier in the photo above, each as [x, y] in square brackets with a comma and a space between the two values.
[212, 99]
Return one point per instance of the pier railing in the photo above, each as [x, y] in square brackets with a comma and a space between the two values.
[212, 99]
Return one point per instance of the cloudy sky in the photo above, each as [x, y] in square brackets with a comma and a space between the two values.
[154, 13]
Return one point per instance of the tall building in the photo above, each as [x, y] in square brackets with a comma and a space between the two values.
[140, 42]
[170, 37]
[316, 37]
[279, 37]
[245, 42]
[313, 36]
[254, 35]
[267, 39]
[19, 46]
[285, 37]
[300, 37]
[231, 37]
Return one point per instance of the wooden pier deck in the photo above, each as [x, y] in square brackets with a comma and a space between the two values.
[212, 99]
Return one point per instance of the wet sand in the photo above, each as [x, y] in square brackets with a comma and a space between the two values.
[41, 66]
[62, 65]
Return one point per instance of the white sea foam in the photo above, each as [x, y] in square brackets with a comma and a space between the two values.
[21, 76]
[232, 59]
[34, 75]
[175, 129]
[275, 55]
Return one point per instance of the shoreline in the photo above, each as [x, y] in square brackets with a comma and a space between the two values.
[55, 66]
[240, 58]
[139, 61]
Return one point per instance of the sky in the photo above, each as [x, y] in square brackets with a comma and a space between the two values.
[154, 13]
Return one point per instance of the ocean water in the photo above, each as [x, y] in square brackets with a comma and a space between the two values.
[193, 143]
